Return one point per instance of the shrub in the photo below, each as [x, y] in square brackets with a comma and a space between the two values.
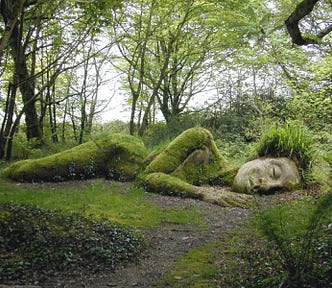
[36, 243]
[23, 149]
[235, 150]
[292, 248]
[328, 159]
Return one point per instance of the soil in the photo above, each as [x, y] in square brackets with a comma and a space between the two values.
[167, 243]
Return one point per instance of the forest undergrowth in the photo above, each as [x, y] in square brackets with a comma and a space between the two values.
[214, 247]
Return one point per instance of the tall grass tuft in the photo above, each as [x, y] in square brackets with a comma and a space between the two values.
[292, 141]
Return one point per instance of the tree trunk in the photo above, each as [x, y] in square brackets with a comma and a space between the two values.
[7, 122]
[292, 22]
[11, 133]
[65, 112]
[31, 117]
[132, 113]
[145, 120]
[52, 113]
[26, 84]
[72, 116]
[10, 11]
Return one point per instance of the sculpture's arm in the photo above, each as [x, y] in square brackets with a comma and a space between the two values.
[170, 185]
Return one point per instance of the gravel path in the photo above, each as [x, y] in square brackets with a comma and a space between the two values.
[168, 242]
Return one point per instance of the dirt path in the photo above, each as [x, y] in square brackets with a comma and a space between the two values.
[167, 242]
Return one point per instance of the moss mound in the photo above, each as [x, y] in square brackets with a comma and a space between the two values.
[118, 157]
[194, 158]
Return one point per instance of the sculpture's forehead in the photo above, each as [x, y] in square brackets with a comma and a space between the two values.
[262, 163]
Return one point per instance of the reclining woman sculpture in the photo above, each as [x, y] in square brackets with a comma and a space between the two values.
[190, 166]
[192, 160]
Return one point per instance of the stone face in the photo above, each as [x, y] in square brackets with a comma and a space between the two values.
[267, 175]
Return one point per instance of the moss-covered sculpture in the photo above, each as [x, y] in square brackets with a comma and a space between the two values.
[118, 157]
[190, 160]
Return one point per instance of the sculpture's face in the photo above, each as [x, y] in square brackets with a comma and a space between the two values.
[267, 175]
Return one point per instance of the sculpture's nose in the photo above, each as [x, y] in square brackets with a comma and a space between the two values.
[258, 184]
[262, 185]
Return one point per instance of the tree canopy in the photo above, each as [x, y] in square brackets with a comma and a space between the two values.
[234, 63]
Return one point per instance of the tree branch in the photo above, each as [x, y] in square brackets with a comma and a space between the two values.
[292, 23]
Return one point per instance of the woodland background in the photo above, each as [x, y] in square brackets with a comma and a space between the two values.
[242, 69]
[234, 67]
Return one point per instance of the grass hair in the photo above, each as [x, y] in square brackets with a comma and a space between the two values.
[293, 141]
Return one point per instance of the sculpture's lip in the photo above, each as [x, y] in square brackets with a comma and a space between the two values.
[269, 190]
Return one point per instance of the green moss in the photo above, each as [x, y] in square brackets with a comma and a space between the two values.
[169, 185]
[225, 176]
[121, 203]
[192, 157]
[179, 149]
[197, 268]
[190, 161]
[118, 157]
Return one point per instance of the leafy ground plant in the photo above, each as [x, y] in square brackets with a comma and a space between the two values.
[36, 243]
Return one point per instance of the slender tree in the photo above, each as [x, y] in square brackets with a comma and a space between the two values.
[43, 40]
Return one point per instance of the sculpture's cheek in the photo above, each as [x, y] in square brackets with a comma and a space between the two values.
[257, 183]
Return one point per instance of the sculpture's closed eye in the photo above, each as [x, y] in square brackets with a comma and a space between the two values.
[274, 171]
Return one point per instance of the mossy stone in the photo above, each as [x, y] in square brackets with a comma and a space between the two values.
[118, 157]
[193, 157]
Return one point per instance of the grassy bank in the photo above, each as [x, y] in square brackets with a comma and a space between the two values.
[121, 203]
